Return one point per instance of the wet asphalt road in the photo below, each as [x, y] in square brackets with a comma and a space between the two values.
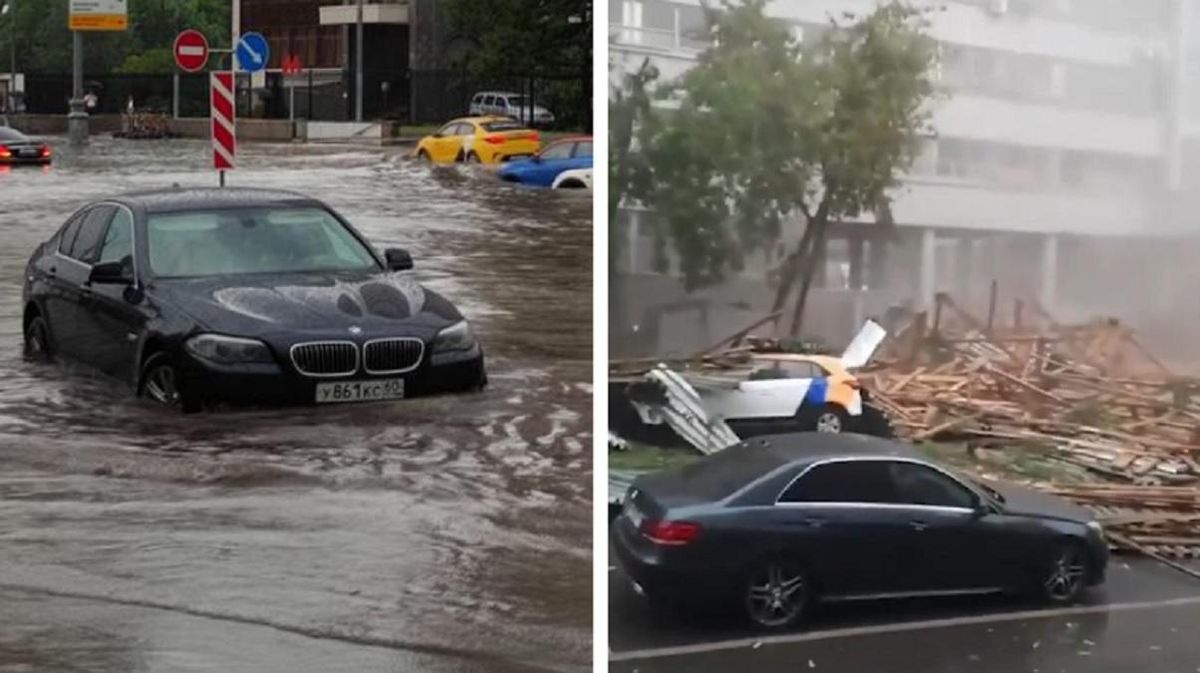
[1143, 619]
[448, 533]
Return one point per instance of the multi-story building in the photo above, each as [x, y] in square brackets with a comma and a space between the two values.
[1065, 152]
[404, 47]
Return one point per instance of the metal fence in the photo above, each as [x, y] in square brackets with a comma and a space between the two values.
[421, 97]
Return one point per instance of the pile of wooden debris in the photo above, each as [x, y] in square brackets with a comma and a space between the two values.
[1090, 395]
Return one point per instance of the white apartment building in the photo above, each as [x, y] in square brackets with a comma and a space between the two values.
[1066, 154]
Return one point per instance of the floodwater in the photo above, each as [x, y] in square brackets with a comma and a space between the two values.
[447, 533]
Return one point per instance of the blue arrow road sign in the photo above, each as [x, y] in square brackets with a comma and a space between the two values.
[253, 52]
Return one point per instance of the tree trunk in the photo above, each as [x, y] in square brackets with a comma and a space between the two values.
[790, 269]
[808, 268]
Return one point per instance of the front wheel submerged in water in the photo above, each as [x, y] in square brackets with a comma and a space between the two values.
[37, 340]
[160, 383]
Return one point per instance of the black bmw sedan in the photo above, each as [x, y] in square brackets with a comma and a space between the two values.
[775, 523]
[197, 296]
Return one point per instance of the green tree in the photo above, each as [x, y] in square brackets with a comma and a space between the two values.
[43, 43]
[630, 112]
[547, 40]
[768, 127]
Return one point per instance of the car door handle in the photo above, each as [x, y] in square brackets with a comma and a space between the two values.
[807, 523]
[918, 525]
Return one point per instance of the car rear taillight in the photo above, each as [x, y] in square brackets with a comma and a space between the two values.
[533, 135]
[670, 533]
[45, 151]
[494, 140]
[5, 152]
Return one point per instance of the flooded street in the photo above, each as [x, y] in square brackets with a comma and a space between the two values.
[449, 533]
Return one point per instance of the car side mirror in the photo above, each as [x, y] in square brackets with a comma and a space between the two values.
[110, 273]
[398, 259]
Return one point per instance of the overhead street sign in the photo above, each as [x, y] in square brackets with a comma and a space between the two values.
[191, 51]
[98, 15]
[253, 52]
[224, 138]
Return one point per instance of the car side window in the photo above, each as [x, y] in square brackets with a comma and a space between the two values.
[800, 370]
[448, 129]
[852, 481]
[919, 485]
[86, 246]
[557, 151]
[583, 149]
[769, 372]
[487, 100]
[118, 240]
[69, 230]
[465, 129]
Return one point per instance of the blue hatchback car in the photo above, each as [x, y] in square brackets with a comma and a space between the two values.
[556, 157]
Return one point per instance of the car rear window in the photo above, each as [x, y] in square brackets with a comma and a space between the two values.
[502, 126]
[720, 475]
[10, 134]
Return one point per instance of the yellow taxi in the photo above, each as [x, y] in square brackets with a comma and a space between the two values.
[487, 140]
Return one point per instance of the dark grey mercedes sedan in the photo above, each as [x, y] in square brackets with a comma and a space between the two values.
[241, 295]
[772, 524]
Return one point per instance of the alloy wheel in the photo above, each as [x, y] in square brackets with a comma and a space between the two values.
[776, 595]
[37, 340]
[829, 422]
[160, 386]
[1066, 575]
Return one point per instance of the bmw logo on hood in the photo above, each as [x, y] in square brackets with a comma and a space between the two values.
[355, 330]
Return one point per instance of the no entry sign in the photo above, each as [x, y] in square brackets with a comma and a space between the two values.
[191, 51]
[224, 139]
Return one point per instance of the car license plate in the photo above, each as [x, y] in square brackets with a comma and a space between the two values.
[360, 391]
[28, 153]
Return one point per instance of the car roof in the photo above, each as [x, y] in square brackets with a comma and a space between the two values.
[828, 362]
[812, 447]
[481, 119]
[175, 199]
[570, 139]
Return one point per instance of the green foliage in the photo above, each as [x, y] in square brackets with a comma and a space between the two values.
[629, 112]
[43, 43]
[528, 38]
[149, 62]
[768, 127]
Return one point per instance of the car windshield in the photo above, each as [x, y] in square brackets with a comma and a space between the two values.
[252, 240]
[995, 495]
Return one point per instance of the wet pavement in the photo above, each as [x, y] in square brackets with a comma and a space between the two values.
[1143, 619]
[445, 533]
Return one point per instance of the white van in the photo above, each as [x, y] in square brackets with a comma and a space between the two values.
[509, 104]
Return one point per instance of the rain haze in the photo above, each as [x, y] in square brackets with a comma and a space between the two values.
[1059, 182]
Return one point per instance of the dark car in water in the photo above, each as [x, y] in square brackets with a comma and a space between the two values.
[198, 296]
[773, 524]
[18, 148]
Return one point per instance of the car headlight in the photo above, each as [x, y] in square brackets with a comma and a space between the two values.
[228, 350]
[457, 337]
[1095, 526]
